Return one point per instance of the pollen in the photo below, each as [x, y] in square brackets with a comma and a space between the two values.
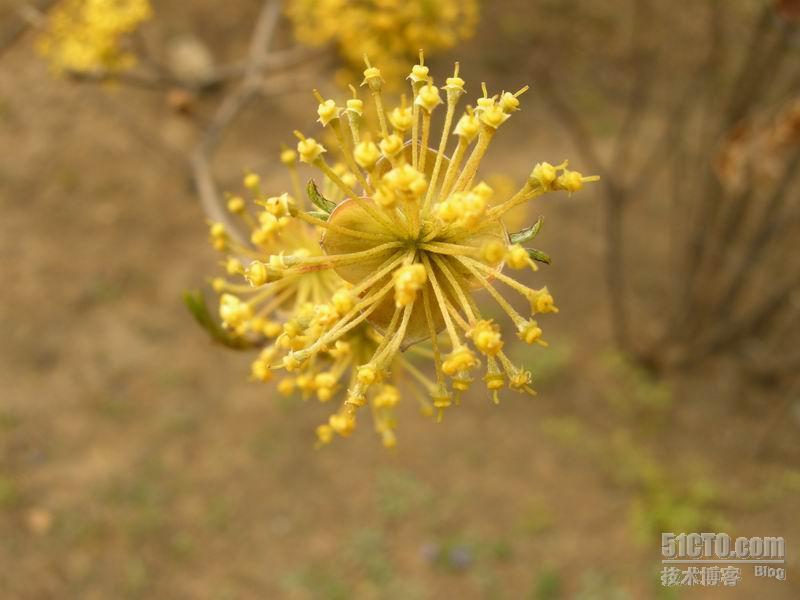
[486, 337]
[408, 281]
[428, 97]
[542, 301]
[461, 359]
[309, 150]
[531, 333]
[327, 111]
[366, 154]
[401, 118]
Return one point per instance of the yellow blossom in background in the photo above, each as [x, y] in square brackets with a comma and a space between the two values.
[389, 31]
[370, 294]
[87, 35]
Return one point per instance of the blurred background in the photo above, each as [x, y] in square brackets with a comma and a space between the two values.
[137, 461]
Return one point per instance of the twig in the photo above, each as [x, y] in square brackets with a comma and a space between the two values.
[771, 220]
[669, 140]
[642, 84]
[229, 108]
[727, 333]
[30, 14]
[135, 78]
[263, 33]
[273, 62]
[615, 197]
[754, 68]
[759, 67]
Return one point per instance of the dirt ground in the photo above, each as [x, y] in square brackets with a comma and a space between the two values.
[137, 461]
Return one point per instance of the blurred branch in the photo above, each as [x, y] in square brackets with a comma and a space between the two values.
[761, 63]
[258, 74]
[772, 217]
[615, 197]
[232, 105]
[642, 85]
[674, 129]
[758, 70]
[28, 14]
[252, 84]
[158, 79]
[276, 61]
[727, 332]
[616, 189]
[155, 75]
[134, 78]
[263, 33]
[573, 123]
[704, 320]
[774, 368]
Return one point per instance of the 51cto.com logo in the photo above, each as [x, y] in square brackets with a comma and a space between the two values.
[717, 559]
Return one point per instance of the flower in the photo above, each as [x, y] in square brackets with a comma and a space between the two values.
[387, 264]
[86, 35]
[390, 31]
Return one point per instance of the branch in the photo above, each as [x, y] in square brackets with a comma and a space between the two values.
[201, 157]
[149, 80]
[573, 123]
[273, 62]
[262, 36]
[30, 14]
[672, 134]
[759, 65]
[642, 85]
[615, 197]
[771, 221]
[231, 105]
[730, 333]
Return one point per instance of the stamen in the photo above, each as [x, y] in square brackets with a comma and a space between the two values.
[515, 316]
[323, 166]
[352, 319]
[382, 272]
[450, 249]
[397, 339]
[329, 261]
[500, 276]
[370, 210]
[423, 145]
[452, 100]
[434, 337]
[455, 286]
[451, 331]
[364, 235]
[465, 178]
[347, 154]
[354, 116]
[375, 89]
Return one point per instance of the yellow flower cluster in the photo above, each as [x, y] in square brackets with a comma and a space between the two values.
[86, 35]
[390, 31]
[386, 264]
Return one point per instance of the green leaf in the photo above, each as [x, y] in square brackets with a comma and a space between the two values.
[318, 214]
[527, 234]
[538, 255]
[196, 303]
[317, 199]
